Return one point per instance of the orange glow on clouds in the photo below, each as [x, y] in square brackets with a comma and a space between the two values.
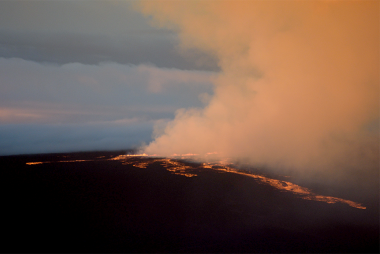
[299, 84]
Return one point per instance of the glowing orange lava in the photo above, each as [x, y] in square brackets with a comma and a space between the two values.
[304, 193]
[34, 163]
[41, 162]
[177, 167]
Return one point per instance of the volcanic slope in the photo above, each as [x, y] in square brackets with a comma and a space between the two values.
[110, 202]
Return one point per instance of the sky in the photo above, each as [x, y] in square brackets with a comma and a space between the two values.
[288, 85]
[91, 75]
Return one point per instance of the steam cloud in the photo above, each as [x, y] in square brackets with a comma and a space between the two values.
[298, 87]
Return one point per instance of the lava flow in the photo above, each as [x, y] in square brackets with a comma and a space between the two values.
[176, 167]
[42, 162]
[179, 168]
[303, 192]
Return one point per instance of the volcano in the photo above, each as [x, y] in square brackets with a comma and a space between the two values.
[114, 202]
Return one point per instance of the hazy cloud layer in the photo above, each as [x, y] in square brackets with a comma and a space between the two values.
[299, 85]
[104, 98]
[89, 32]
[54, 138]
[90, 68]
[79, 93]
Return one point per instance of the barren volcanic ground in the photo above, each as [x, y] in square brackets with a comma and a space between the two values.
[103, 202]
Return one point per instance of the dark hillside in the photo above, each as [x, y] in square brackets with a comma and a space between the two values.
[101, 205]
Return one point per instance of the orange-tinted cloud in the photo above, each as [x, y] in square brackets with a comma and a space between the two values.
[299, 86]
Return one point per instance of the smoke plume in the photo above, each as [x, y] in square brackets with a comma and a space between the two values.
[298, 88]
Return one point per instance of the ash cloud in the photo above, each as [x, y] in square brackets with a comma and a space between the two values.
[298, 89]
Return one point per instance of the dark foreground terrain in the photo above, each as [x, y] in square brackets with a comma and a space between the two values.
[102, 205]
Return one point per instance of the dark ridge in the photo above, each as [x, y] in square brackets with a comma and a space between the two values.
[101, 205]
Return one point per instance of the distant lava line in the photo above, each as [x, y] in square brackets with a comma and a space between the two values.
[180, 168]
